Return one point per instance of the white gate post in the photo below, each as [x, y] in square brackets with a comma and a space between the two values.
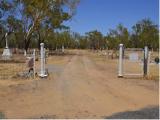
[145, 64]
[34, 57]
[44, 60]
[120, 68]
[149, 60]
[42, 72]
[6, 40]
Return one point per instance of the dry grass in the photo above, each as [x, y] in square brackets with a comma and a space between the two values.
[129, 66]
[11, 69]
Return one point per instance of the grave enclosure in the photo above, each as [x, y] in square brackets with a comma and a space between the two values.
[134, 62]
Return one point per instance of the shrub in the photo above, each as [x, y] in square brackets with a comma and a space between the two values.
[2, 116]
[156, 60]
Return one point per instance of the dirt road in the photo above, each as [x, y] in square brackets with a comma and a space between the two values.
[83, 89]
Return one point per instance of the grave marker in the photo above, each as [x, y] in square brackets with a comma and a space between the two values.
[6, 52]
[133, 57]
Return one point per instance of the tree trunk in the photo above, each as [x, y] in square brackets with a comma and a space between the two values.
[40, 40]
[27, 43]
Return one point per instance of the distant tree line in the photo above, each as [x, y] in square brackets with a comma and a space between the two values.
[36, 21]
[33, 21]
[143, 33]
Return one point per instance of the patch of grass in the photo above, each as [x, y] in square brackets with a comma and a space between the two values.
[8, 70]
[2, 115]
[152, 77]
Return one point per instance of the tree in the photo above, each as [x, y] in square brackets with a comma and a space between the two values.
[123, 35]
[4, 8]
[117, 36]
[35, 14]
[96, 39]
[145, 33]
[111, 39]
[83, 43]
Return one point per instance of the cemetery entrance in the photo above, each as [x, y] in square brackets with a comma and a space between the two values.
[132, 61]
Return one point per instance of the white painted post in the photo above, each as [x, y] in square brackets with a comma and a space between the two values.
[149, 61]
[44, 61]
[42, 58]
[34, 67]
[120, 69]
[42, 72]
[6, 40]
[145, 67]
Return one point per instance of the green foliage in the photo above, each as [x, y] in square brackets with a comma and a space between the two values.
[144, 33]
[31, 17]
[83, 43]
[36, 21]
[95, 39]
[117, 36]
[2, 116]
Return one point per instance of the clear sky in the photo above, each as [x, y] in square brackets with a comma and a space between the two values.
[105, 14]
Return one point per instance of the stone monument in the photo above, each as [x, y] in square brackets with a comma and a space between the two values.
[6, 52]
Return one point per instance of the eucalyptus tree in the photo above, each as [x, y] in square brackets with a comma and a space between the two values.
[123, 35]
[83, 43]
[96, 39]
[116, 36]
[145, 32]
[4, 8]
[112, 39]
[34, 14]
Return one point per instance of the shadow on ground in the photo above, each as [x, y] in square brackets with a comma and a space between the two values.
[145, 113]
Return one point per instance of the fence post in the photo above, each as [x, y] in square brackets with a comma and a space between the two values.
[44, 62]
[34, 59]
[145, 64]
[149, 60]
[42, 71]
[120, 69]
[42, 58]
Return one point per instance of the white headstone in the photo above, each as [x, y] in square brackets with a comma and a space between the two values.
[133, 57]
[6, 52]
[62, 48]
[25, 53]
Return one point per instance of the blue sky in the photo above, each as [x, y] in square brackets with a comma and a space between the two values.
[105, 14]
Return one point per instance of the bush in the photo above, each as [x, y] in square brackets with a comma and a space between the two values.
[2, 116]
[156, 60]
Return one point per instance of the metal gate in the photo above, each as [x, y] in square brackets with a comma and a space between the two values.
[132, 61]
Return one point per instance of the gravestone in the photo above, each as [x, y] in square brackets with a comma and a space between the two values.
[6, 52]
[133, 57]
[62, 48]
